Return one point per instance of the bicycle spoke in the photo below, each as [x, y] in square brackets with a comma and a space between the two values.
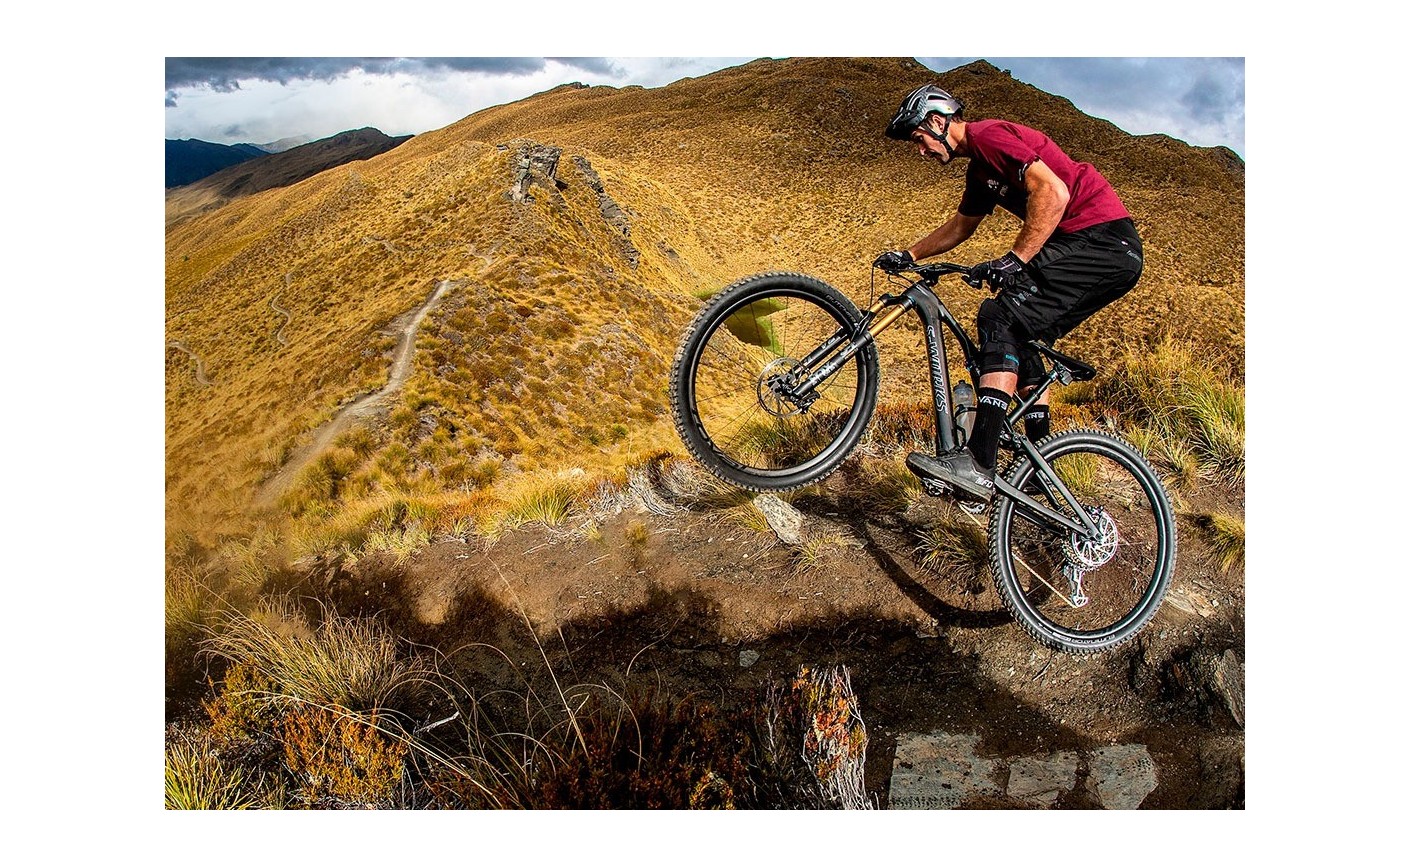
[763, 338]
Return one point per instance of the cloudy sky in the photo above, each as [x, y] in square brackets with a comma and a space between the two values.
[228, 100]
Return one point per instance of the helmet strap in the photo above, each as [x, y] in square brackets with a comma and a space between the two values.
[944, 136]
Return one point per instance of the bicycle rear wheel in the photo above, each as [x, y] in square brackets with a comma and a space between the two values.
[1084, 596]
[752, 336]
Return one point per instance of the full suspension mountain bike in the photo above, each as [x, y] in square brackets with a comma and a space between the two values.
[776, 380]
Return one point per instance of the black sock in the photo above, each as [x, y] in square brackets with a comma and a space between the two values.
[992, 407]
[1037, 422]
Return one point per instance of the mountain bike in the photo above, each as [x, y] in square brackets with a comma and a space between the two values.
[775, 382]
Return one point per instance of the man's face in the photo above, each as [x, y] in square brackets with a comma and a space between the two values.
[928, 142]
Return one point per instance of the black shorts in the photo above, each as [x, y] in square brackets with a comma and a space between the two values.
[1077, 274]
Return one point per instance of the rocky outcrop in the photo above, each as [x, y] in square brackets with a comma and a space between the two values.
[536, 165]
[611, 211]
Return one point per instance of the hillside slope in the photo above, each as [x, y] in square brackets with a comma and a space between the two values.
[579, 227]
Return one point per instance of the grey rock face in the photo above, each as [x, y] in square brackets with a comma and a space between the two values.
[1121, 776]
[786, 521]
[940, 770]
[1041, 780]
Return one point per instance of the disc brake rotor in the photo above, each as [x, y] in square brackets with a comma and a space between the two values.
[773, 380]
[1088, 554]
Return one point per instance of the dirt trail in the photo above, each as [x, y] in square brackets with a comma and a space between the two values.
[364, 407]
[288, 317]
[200, 366]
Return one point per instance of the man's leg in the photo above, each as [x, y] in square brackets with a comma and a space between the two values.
[1037, 422]
[970, 471]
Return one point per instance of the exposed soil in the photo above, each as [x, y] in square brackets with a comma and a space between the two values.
[926, 652]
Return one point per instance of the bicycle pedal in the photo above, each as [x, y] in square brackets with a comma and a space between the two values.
[973, 507]
[934, 487]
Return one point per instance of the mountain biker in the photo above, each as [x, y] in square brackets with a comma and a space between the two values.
[1077, 252]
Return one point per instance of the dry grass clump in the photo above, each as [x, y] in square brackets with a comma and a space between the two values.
[1224, 534]
[817, 553]
[350, 663]
[547, 498]
[199, 779]
[955, 547]
[1179, 405]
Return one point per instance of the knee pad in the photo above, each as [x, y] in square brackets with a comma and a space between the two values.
[998, 339]
[1030, 367]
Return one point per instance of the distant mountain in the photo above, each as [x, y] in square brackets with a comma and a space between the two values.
[284, 144]
[189, 160]
[268, 171]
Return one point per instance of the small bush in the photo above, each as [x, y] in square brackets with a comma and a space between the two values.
[1174, 395]
[350, 663]
[342, 760]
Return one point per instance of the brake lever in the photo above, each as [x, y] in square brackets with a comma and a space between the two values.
[975, 282]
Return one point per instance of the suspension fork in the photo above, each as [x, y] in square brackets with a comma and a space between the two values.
[850, 346]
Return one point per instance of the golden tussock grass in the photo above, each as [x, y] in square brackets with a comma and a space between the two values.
[1224, 534]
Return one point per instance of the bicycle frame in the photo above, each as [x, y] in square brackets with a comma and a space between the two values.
[920, 296]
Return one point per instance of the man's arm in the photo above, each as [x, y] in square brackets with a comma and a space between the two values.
[1047, 202]
[950, 235]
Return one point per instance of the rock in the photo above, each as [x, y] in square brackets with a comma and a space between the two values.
[1227, 682]
[611, 211]
[1121, 776]
[786, 521]
[940, 770]
[1210, 682]
[1041, 780]
[1221, 774]
[748, 658]
[536, 163]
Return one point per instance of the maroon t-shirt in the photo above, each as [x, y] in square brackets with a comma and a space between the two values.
[1000, 154]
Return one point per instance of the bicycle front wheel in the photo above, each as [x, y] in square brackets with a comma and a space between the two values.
[1085, 595]
[727, 394]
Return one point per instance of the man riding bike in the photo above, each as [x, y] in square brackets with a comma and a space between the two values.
[1077, 252]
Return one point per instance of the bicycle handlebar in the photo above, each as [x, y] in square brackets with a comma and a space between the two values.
[934, 271]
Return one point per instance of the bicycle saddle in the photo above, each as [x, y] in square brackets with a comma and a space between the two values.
[1080, 370]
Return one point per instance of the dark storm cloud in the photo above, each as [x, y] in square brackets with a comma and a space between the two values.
[225, 73]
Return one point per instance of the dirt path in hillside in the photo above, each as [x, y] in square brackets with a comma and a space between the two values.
[362, 408]
[277, 308]
[698, 605]
[200, 371]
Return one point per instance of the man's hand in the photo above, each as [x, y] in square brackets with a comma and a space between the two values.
[1002, 273]
[893, 261]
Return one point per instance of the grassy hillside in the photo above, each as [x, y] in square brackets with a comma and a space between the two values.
[552, 347]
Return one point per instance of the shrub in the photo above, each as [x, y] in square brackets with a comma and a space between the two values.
[350, 663]
[340, 759]
[1178, 398]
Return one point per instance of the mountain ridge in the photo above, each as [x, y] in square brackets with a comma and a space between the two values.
[277, 169]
